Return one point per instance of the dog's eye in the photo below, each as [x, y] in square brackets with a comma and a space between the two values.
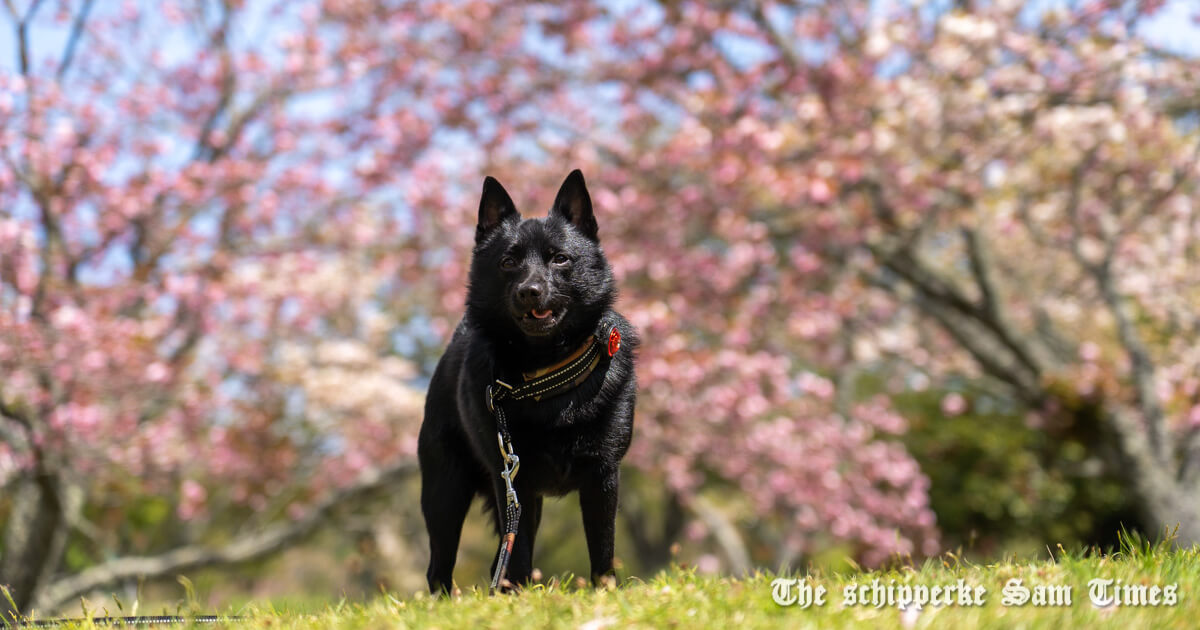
[508, 262]
[560, 259]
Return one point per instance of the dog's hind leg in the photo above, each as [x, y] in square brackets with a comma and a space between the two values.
[446, 493]
[598, 502]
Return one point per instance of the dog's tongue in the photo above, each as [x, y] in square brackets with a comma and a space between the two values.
[540, 314]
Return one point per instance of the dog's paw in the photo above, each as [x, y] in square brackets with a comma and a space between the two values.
[507, 587]
[606, 582]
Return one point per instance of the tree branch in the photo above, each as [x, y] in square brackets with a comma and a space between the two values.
[961, 317]
[1053, 341]
[18, 415]
[965, 321]
[983, 270]
[1140, 363]
[242, 549]
[967, 334]
[785, 48]
[1024, 383]
[1074, 197]
[219, 40]
[1141, 366]
[73, 39]
[22, 25]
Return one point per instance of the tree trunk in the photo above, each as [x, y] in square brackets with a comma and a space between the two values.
[34, 541]
[1168, 508]
[1166, 503]
[1180, 517]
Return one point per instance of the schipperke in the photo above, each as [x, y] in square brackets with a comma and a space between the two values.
[540, 300]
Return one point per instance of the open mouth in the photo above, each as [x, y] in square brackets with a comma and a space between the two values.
[539, 321]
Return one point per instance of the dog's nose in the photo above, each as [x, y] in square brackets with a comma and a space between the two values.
[531, 292]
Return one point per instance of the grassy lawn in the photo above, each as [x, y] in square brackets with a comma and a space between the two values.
[683, 599]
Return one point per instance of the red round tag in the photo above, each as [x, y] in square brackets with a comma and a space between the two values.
[614, 341]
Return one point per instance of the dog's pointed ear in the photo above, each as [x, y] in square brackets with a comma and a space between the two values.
[495, 207]
[573, 204]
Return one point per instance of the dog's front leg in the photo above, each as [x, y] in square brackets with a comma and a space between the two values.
[598, 502]
[446, 494]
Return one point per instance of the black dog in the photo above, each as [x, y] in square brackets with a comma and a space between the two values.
[539, 304]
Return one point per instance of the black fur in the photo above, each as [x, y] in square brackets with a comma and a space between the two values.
[573, 441]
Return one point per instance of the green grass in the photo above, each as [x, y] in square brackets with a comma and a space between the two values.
[680, 598]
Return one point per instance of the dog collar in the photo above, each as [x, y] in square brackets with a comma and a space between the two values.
[565, 375]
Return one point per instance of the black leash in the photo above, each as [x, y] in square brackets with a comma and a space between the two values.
[557, 381]
[512, 509]
[153, 620]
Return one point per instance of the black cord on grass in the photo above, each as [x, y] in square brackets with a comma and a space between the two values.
[152, 620]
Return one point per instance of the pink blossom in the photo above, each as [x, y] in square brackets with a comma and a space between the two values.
[193, 497]
[819, 190]
[1089, 351]
[953, 404]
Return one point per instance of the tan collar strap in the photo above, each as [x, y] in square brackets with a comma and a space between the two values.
[529, 376]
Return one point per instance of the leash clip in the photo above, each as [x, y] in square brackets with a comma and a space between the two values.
[508, 474]
[511, 461]
[512, 464]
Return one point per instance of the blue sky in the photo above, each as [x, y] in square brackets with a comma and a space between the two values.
[1174, 28]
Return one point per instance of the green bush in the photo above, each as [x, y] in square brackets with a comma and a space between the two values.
[1000, 484]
